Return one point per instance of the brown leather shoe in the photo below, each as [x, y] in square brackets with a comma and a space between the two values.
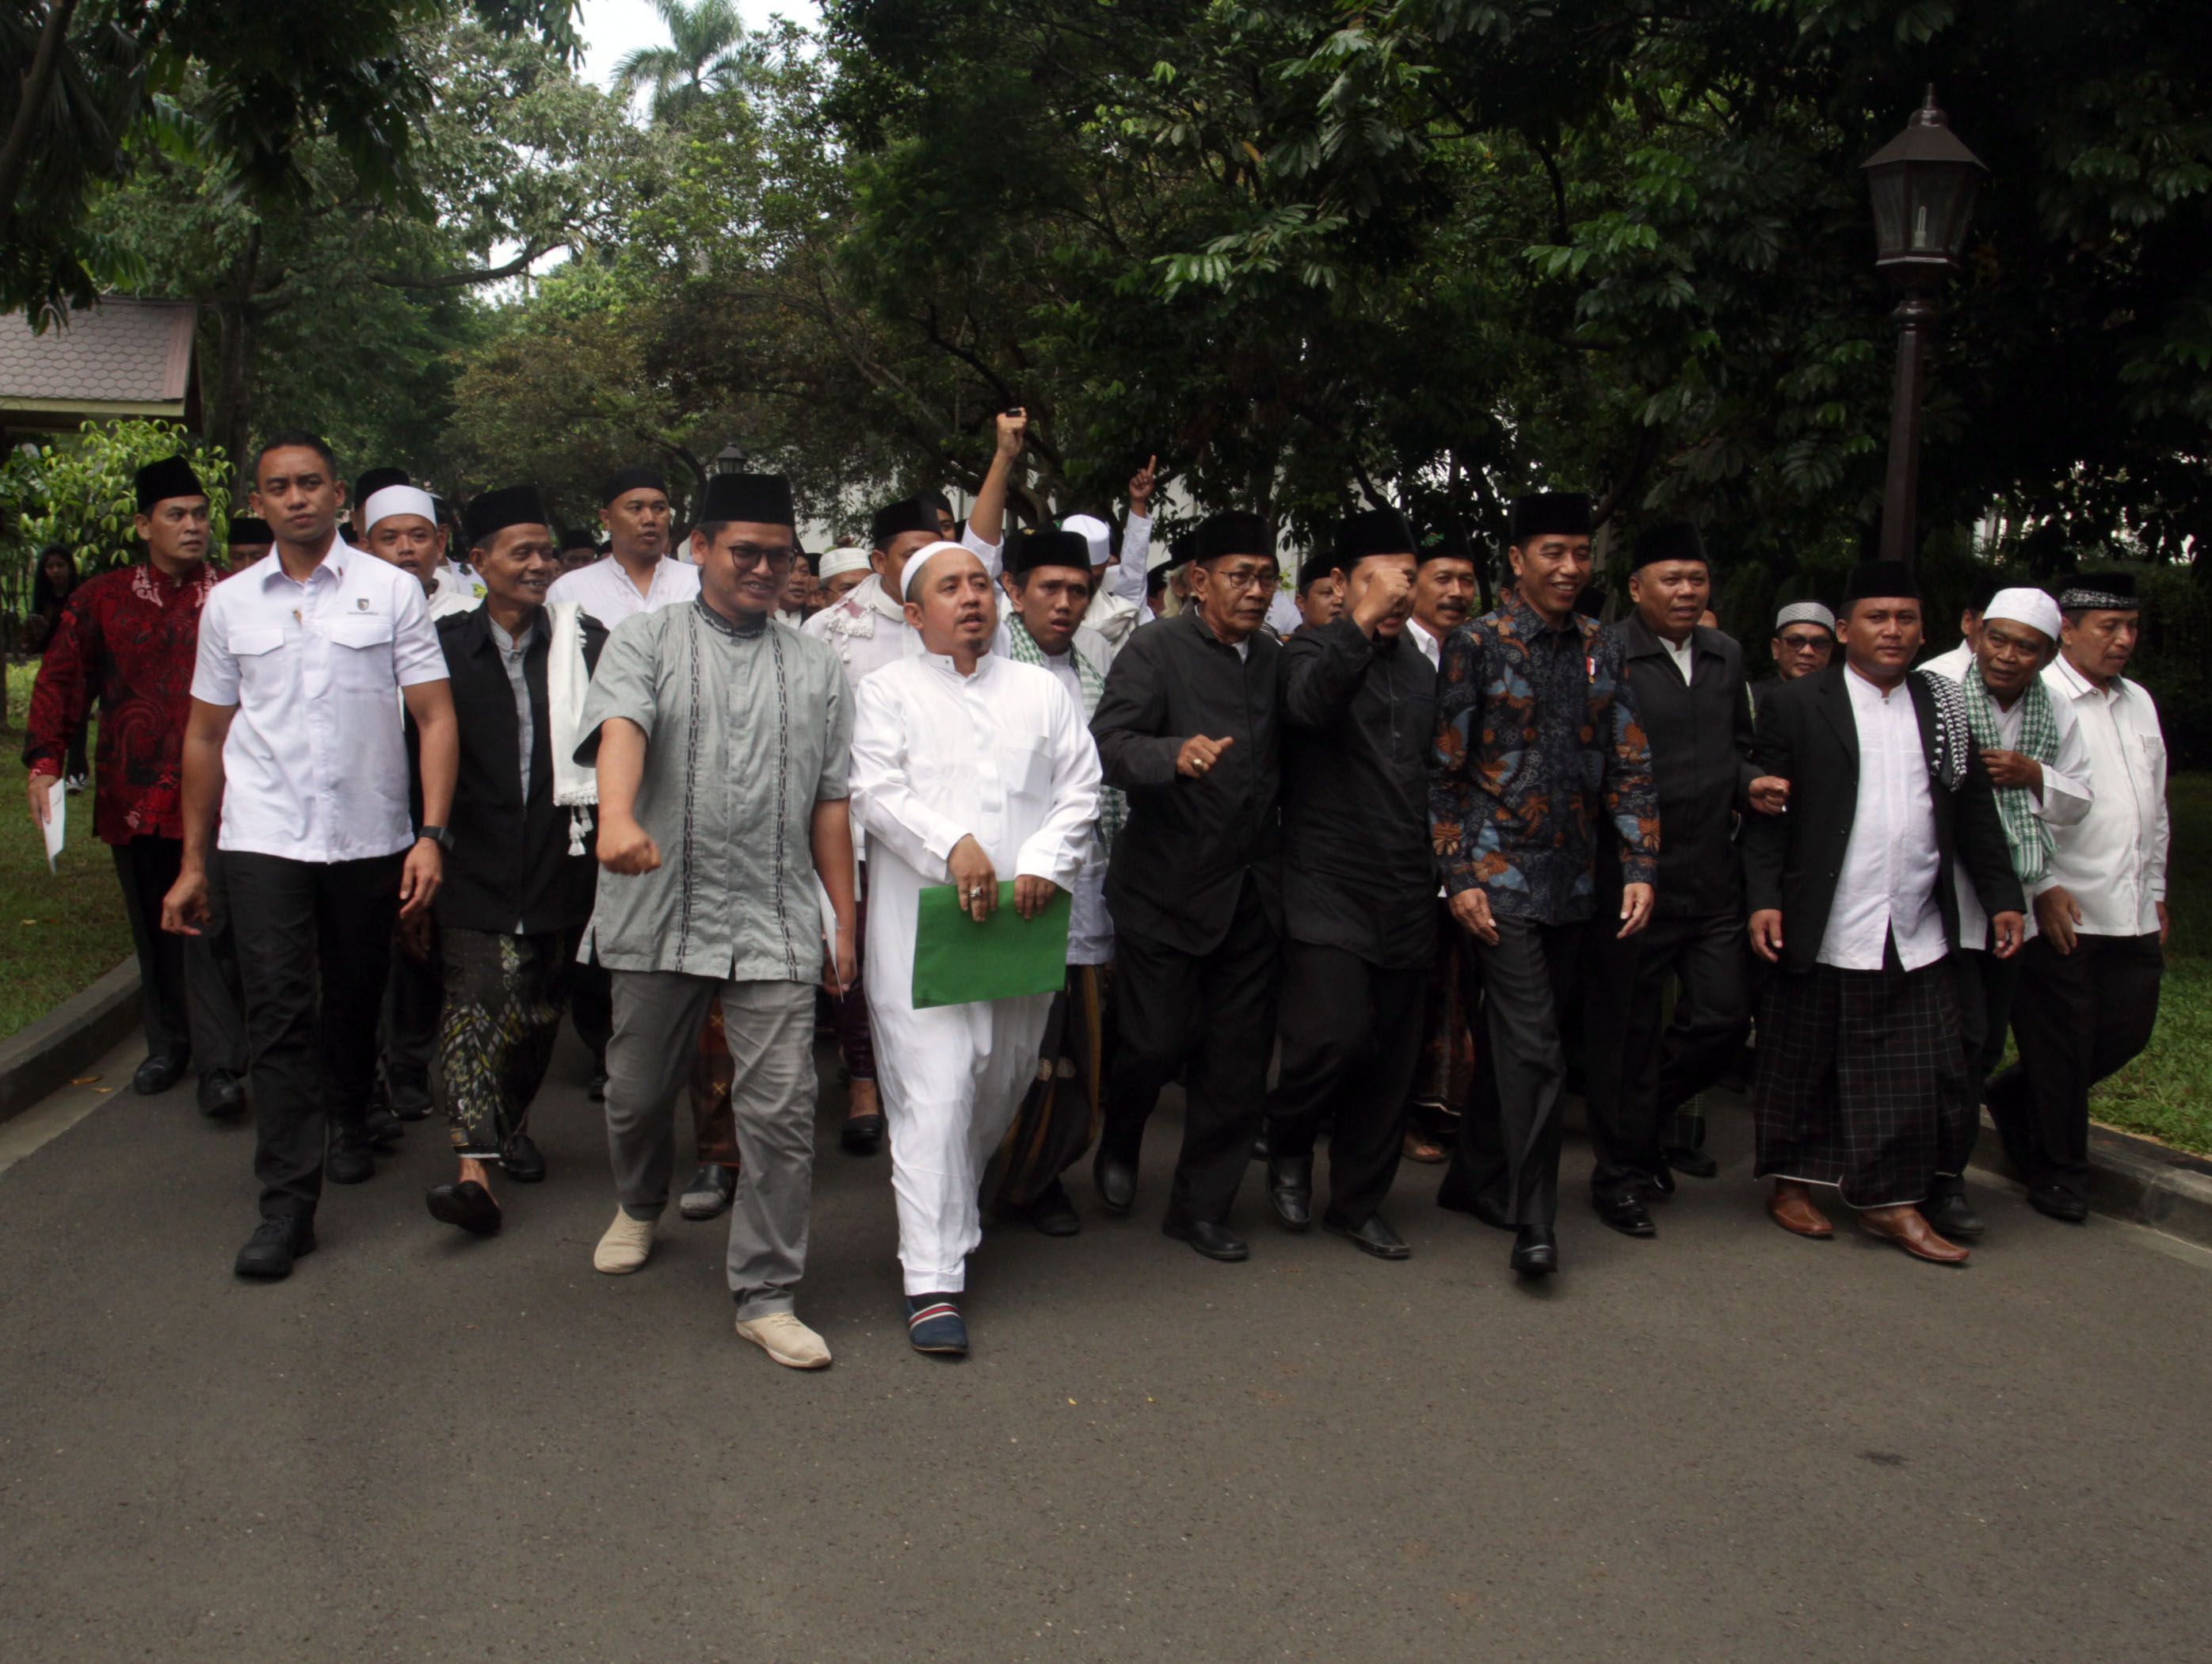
[1791, 1207]
[1904, 1227]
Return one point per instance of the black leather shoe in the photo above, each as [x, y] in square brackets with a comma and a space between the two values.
[1214, 1241]
[467, 1205]
[1661, 1179]
[1950, 1215]
[1624, 1211]
[348, 1161]
[596, 1089]
[381, 1127]
[520, 1159]
[1463, 1199]
[1374, 1237]
[275, 1244]
[1054, 1213]
[159, 1072]
[1535, 1251]
[861, 1135]
[2056, 1202]
[1695, 1163]
[1261, 1152]
[222, 1093]
[1290, 1188]
[1116, 1180]
[409, 1098]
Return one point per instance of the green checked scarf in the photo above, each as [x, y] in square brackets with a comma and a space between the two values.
[1112, 806]
[2029, 838]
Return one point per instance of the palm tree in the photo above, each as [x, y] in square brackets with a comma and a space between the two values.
[706, 55]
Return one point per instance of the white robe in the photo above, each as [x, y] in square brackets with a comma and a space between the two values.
[1003, 756]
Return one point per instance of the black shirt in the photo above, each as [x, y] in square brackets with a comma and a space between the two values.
[1359, 719]
[510, 863]
[1180, 863]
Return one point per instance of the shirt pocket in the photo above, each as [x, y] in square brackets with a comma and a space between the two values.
[362, 655]
[258, 671]
[1029, 776]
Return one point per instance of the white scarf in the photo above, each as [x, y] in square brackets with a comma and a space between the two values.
[855, 616]
[575, 787]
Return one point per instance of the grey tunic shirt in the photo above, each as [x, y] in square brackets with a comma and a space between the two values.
[745, 734]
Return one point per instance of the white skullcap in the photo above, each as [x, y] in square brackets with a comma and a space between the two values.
[1805, 612]
[921, 558]
[1094, 533]
[2031, 607]
[839, 561]
[397, 500]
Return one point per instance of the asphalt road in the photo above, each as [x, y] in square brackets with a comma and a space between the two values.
[1726, 1444]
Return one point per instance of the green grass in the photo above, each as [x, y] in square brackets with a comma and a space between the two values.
[63, 930]
[2167, 1093]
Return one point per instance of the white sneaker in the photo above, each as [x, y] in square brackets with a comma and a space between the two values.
[627, 1245]
[785, 1340]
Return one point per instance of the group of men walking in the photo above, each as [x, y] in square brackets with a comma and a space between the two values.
[631, 790]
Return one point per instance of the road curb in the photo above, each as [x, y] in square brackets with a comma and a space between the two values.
[60, 1044]
[2131, 1179]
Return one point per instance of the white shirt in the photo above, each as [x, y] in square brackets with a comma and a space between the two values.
[452, 591]
[1283, 613]
[2112, 862]
[315, 764]
[2065, 799]
[1888, 884]
[1952, 664]
[1090, 926]
[866, 628]
[1431, 646]
[607, 594]
[1685, 655]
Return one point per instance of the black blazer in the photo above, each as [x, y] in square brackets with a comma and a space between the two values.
[509, 863]
[1807, 735]
[1180, 863]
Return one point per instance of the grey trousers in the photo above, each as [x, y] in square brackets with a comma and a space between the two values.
[770, 1028]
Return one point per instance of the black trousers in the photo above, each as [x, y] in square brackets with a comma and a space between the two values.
[190, 996]
[1637, 1069]
[414, 997]
[1351, 1036]
[314, 942]
[1509, 1137]
[1986, 987]
[591, 1009]
[1214, 1016]
[2076, 1017]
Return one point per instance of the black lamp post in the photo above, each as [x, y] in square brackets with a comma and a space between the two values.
[1923, 183]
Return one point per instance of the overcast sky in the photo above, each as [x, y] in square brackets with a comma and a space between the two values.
[612, 29]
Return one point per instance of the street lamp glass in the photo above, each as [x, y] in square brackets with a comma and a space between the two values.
[1924, 183]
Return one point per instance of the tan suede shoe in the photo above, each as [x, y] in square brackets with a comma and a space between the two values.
[785, 1340]
[627, 1245]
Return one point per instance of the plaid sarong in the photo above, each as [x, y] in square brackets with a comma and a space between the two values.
[2025, 832]
[1113, 807]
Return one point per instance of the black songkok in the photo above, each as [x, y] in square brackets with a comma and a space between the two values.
[2099, 592]
[1890, 580]
[1314, 568]
[1679, 541]
[245, 532]
[1038, 548]
[894, 519]
[374, 481]
[1371, 531]
[1182, 550]
[760, 499]
[578, 539]
[493, 512]
[1551, 514]
[939, 502]
[172, 477]
[1233, 532]
[1156, 580]
[624, 480]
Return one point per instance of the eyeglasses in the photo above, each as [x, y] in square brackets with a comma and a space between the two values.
[746, 557]
[1257, 578]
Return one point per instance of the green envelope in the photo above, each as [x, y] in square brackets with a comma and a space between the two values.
[957, 961]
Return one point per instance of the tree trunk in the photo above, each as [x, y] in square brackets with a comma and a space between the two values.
[230, 388]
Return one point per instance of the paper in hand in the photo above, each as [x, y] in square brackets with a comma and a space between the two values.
[957, 961]
[56, 819]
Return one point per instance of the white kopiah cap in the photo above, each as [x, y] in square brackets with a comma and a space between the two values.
[397, 500]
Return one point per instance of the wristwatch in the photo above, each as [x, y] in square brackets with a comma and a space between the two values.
[438, 836]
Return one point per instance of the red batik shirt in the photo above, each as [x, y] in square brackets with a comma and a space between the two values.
[129, 637]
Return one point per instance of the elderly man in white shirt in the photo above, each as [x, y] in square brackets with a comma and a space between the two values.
[304, 662]
[2089, 983]
[638, 575]
[964, 766]
[2031, 744]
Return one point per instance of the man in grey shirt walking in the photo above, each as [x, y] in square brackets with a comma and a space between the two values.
[721, 745]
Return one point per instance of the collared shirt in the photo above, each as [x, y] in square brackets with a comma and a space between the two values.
[1538, 740]
[607, 594]
[745, 733]
[2065, 798]
[1090, 927]
[452, 591]
[1698, 723]
[2112, 862]
[1952, 664]
[865, 629]
[1684, 653]
[513, 655]
[1888, 884]
[1431, 646]
[315, 765]
[128, 639]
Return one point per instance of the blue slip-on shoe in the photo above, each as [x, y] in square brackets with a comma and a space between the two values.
[933, 1325]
